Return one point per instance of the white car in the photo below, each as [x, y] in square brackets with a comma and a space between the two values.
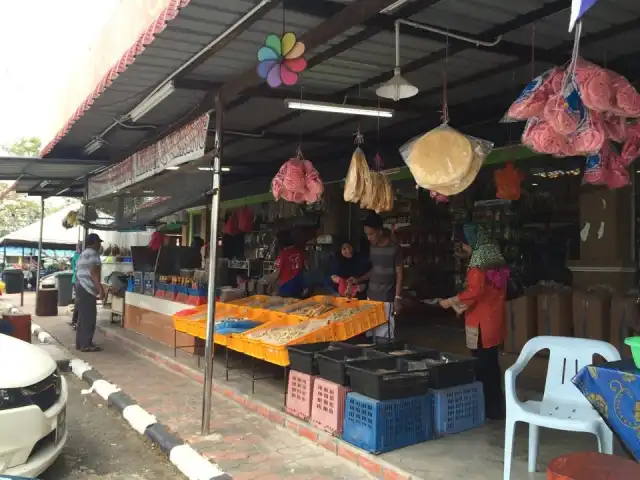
[33, 401]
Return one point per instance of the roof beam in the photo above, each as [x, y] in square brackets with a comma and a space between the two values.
[515, 24]
[353, 14]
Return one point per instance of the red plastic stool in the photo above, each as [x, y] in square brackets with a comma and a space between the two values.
[592, 466]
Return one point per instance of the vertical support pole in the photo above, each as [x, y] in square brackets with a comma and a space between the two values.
[213, 247]
[22, 289]
[39, 249]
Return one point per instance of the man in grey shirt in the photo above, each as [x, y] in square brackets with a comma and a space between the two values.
[88, 290]
[386, 274]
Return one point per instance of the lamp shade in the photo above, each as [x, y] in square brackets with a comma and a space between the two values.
[397, 88]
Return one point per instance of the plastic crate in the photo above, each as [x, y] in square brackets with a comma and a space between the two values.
[299, 395]
[335, 301]
[457, 409]
[458, 369]
[332, 363]
[327, 406]
[401, 349]
[360, 322]
[302, 358]
[387, 379]
[381, 426]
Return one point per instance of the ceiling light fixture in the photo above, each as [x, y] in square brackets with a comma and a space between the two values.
[151, 102]
[172, 167]
[210, 169]
[93, 145]
[338, 108]
[397, 88]
[147, 191]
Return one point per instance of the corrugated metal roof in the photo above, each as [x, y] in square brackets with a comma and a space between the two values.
[472, 73]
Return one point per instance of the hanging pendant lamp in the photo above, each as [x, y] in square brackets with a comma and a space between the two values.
[397, 88]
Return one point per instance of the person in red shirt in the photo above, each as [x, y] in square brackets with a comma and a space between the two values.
[290, 266]
[483, 304]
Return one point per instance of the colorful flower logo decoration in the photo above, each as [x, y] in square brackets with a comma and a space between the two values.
[281, 60]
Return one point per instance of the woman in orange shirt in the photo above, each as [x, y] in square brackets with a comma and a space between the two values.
[483, 304]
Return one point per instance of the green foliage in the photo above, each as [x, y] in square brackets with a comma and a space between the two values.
[26, 147]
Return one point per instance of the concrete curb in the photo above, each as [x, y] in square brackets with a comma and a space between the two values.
[190, 463]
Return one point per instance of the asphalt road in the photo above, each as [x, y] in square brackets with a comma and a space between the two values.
[102, 447]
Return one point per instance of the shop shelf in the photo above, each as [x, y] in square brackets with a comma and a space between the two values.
[457, 409]
[299, 395]
[278, 354]
[458, 369]
[327, 407]
[387, 378]
[302, 358]
[360, 322]
[381, 426]
[332, 363]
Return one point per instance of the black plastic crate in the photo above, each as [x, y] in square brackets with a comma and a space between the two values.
[387, 379]
[302, 358]
[400, 349]
[331, 363]
[456, 369]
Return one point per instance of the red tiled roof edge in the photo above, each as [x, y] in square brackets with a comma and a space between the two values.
[144, 39]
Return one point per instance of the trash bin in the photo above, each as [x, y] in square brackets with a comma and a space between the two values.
[47, 302]
[65, 288]
[14, 280]
[21, 327]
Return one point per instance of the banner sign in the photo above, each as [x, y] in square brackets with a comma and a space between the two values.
[578, 9]
[180, 147]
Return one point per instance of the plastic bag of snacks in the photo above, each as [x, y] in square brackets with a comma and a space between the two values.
[532, 100]
[444, 160]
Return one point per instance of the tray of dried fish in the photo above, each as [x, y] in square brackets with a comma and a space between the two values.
[269, 341]
[359, 317]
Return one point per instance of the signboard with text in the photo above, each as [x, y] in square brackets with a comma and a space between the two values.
[180, 147]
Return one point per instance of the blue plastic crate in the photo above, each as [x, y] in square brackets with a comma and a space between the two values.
[457, 409]
[381, 426]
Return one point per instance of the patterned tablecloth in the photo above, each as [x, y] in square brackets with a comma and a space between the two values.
[614, 391]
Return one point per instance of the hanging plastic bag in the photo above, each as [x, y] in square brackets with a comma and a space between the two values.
[439, 198]
[564, 111]
[532, 100]
[231, 227]
[443, 157]
[245, 220]
[508, 181]
[357, 178]
[617, 175]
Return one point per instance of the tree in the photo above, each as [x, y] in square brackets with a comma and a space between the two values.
[18, 210]
[25, 147]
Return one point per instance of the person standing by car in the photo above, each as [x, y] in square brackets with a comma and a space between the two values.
[89, 288]
[385, 276]
[74, 267]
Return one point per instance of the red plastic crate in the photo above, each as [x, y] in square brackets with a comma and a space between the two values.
[299, 394]
[327, 408]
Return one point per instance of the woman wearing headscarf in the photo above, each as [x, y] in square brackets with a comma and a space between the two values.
[349, 264]
[483, 303]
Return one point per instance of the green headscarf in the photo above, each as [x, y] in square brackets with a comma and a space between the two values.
[486, 254]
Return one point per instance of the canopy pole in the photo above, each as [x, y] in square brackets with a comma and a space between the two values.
[213, 247]
[22, 289]
[39, 250]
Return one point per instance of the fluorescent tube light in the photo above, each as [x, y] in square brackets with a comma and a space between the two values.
[210, 169]
[338, 108]
[152, 101]
[393, 6]
[92, 146]
[173, 167]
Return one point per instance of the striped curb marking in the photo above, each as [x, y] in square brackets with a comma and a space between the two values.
[193, 465]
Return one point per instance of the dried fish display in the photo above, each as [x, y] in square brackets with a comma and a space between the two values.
[284, 335]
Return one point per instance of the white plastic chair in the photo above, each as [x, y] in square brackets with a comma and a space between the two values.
[563, 406]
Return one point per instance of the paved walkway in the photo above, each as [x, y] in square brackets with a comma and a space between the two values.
[242, 443]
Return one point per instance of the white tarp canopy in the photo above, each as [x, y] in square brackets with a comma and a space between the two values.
[54, 235]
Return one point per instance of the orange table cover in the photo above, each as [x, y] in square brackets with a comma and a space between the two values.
[592, 466]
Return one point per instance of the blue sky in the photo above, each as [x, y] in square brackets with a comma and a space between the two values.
[41, 43]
